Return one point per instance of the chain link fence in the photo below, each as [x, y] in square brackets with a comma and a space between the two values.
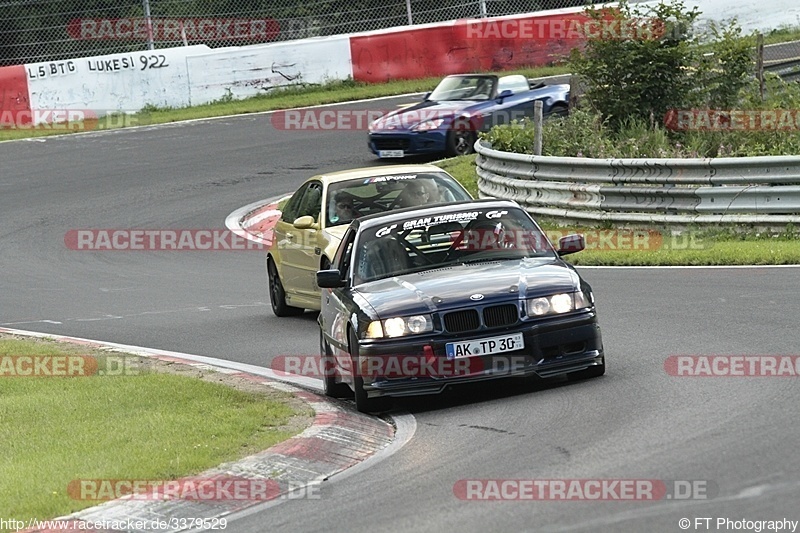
[51, 30]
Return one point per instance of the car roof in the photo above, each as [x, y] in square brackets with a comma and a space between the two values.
[369, 172]
[388, 217]
[471, 75]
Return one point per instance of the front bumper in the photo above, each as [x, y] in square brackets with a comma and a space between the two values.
[429, 142]
[553, 347]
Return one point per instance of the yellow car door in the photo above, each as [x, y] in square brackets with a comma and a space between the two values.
[296, 236]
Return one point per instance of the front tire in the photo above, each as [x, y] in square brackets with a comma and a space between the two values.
[460, 142]
[330, 387]
[559, 111]
[277, 295]
[364, 404]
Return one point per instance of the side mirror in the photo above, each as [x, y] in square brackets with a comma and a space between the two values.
[505, 94]
[305, 222]
[425, 96]
[329, 279]
[570, 244]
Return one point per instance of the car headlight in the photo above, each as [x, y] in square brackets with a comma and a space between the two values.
[399, 326]
[557, 304]
[428, 125]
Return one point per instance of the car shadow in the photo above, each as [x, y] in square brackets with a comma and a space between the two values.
[475, 393]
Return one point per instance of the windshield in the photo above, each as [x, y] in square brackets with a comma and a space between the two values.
[351, 199]
[453, 238]
[464, 88]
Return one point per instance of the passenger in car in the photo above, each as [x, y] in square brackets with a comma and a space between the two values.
[415, 193]
[343, 209]
[437, 193]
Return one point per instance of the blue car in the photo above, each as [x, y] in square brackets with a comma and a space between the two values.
[449, 119]
[420, 299]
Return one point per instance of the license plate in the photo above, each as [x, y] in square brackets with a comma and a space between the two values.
[390, 153]
[487, 346]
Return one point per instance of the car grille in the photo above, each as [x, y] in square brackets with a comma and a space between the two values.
[390, 144]
[500, 315]
[493, 317]
[461, 321]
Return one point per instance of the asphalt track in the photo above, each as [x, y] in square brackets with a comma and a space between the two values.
[737, 434]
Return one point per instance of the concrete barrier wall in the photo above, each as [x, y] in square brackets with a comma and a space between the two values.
[15, 108]
[469, 45]
[252, 70]
[118, 82]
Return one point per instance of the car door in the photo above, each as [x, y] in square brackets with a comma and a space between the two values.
[514, 107]
[337, 306]
[298, 248]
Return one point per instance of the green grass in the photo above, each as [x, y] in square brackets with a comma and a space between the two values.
[463, 169]
[150, 425]
[759, 252]
[783, 35]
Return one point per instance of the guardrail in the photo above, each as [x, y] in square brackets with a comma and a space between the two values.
[788, 69]
[737, 190]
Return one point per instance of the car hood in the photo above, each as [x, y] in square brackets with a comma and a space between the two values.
[337, 232]
[447, 288]
[332, 236]
[406, 118]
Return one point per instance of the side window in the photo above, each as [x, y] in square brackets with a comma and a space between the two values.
[344, 253]
[448, 192]
[516, 83]
[311, 204]
[292, 207]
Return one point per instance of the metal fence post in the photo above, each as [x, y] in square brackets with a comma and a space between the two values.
[760, 63]
[148, 23]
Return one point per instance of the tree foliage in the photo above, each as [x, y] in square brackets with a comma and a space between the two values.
[664, 66]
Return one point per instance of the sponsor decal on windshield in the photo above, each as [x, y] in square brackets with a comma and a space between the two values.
[439, 219]
[396, 177]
